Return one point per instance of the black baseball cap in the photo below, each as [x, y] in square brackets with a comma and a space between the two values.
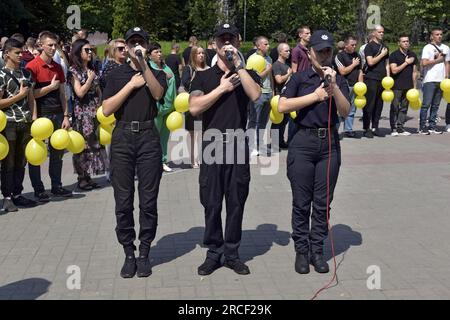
[226, 28]
[321, 39]
[136, 31]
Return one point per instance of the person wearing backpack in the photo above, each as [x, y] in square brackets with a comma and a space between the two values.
[435, 62]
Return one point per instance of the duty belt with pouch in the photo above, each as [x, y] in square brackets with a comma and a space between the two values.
[135, 126]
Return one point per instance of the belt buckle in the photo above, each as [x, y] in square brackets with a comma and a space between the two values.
[134, 126]
[322, 133]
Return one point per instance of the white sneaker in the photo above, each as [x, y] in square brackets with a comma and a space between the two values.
[435, 131]
[404, 133]
[166, 168]
[447, 128]
[254, 153]
[394, 133]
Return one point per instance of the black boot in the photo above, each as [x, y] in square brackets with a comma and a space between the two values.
[129, 266]
[302, 263]
[319, 263]
[144, 269]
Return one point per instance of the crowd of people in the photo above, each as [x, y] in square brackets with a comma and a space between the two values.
[67, 83]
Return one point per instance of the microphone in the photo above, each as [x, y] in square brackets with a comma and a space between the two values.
[138, 52]
[327, 80]
[229, 55]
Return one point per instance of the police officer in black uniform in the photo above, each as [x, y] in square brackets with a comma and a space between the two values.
[308, 93]
[131, 93]
[221, 95]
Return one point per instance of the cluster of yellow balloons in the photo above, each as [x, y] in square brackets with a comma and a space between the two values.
[445, 87]
[387, 95]
[4, 145]
[256, 62]
[275, 116]
[106, 126]
[175, 119]
[41, 129]
[413, 96]
[360, 90]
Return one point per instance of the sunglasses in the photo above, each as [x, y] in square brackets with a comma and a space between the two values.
[120, 49]
[88, 50]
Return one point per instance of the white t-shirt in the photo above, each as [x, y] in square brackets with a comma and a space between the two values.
[436, 72]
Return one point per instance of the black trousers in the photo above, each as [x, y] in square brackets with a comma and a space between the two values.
[131, 153]
[374, 107]
[307, 162]
[399, 109]
[13, 166]
[216, 182]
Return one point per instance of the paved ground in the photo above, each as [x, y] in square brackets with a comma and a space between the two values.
[391, 210]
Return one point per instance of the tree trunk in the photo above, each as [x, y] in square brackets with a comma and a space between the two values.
[361, 29]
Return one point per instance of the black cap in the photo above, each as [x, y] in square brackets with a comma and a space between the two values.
[226, 29]
[321, 39]
[136, 31]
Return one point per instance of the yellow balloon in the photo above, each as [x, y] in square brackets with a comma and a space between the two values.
[415, 105]
[360, 102]
[103, 119]
[60, 139]
[412, 95]
[274, 103]
[2, 120]
[387, 95]
[387, 83]
[174, 121]
[36, 152]
[105, 134]
[181, 102]
[276, 117]
[445, 85]
[293, 114]
[76, 142]
[360, 88]
[4, 147]
[447, 96]
[42, 128]
[256, 62]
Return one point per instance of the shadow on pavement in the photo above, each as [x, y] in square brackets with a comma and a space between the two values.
[27, 289]
[343, 238]
[176, 245]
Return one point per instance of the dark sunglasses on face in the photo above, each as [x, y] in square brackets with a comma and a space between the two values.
[88, 50]
[120, 49]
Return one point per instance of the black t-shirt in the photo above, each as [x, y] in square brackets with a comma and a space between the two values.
[230, 111]
[279, 69]
[344, 59]
[210, 53]
[377, 71]
[186, 54]
[316, 115]
[173, 61]
[140, 104]
[274, 55]
[403, 79]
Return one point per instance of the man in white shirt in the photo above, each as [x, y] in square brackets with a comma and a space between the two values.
[435, 61]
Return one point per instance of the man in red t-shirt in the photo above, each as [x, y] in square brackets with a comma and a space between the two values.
[51, 103]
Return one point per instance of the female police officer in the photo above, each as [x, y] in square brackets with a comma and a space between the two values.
[313, 93]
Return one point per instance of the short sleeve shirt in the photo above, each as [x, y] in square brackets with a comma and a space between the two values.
[230, 110]
[19, 111]
[266, 81]
[140, 104]
[403, 80]
[300, 57]
[315, 115]
[42, 74]
[279, 69]
[436, 72]
[377, 71]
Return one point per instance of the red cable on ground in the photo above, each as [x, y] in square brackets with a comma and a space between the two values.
[328, 206]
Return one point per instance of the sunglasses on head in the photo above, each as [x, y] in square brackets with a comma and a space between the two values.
[88, 50]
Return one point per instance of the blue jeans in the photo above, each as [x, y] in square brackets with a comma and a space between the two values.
[348, 122]
[55, 163]
[259, 115]
[432, 95]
